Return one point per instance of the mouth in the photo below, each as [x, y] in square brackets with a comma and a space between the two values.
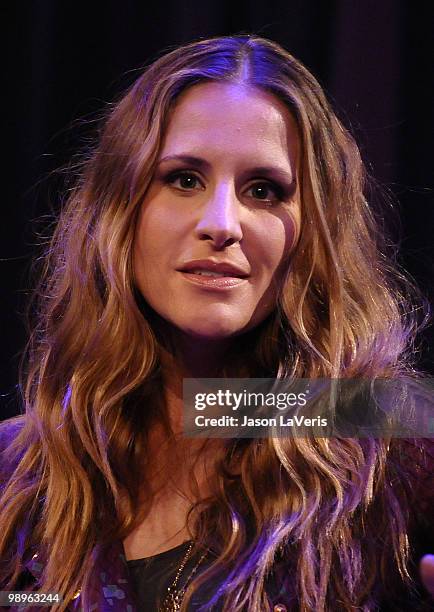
[211, 267]
[217, 280]
[213, 274]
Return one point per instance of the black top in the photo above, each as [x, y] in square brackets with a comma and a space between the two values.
[152, 576]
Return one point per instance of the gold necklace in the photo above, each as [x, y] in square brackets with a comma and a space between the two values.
[173, 600]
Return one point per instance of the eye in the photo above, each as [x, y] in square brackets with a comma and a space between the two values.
[184, 180]
[266, 191]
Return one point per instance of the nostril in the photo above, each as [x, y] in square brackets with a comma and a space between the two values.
[220, 239]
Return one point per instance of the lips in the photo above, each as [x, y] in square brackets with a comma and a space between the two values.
[212, 275]
[209, 268]
[208, 273]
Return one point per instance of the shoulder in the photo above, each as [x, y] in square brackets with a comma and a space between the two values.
[9, 454]
[416, 457]
[412, 458]
[9, 430]
[413, 472]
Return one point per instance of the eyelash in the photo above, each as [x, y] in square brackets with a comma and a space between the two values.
[277, 189]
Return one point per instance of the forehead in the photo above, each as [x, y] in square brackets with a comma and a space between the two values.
[230, 117]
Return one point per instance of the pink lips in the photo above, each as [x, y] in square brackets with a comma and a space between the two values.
[232, 274]
[215, 282]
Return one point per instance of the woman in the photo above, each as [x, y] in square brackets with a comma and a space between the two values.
[218, 229]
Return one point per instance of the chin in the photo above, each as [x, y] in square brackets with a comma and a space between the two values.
[207, 333]
[213, 329]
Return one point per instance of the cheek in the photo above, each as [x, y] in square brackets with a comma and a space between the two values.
[273, 241]
[157, 231]
[149, 245]
[150, 223]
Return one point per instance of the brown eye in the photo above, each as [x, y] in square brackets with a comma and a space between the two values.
[266, 192]
[183, 180]
[260, 191]
[187, 181]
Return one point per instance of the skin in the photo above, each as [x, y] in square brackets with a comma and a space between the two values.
[427, 573]
[226, 210]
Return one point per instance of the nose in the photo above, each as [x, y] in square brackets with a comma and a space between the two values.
[219, 220]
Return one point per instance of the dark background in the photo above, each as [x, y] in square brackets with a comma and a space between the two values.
[66, 60]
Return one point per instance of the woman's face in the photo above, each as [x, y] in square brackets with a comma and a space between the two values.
[221, 216]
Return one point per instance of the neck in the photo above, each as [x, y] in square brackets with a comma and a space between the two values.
[196, 357]
[174, 458]
[190, 358]
[185, 356]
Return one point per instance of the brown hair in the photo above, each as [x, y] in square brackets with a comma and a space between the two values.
[315, 508]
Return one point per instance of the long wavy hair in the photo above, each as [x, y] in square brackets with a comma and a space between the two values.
[322, 513]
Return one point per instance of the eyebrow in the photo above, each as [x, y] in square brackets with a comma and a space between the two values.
[197, 162]
[202, 164]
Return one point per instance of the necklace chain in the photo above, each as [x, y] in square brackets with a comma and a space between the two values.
[174, 596]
